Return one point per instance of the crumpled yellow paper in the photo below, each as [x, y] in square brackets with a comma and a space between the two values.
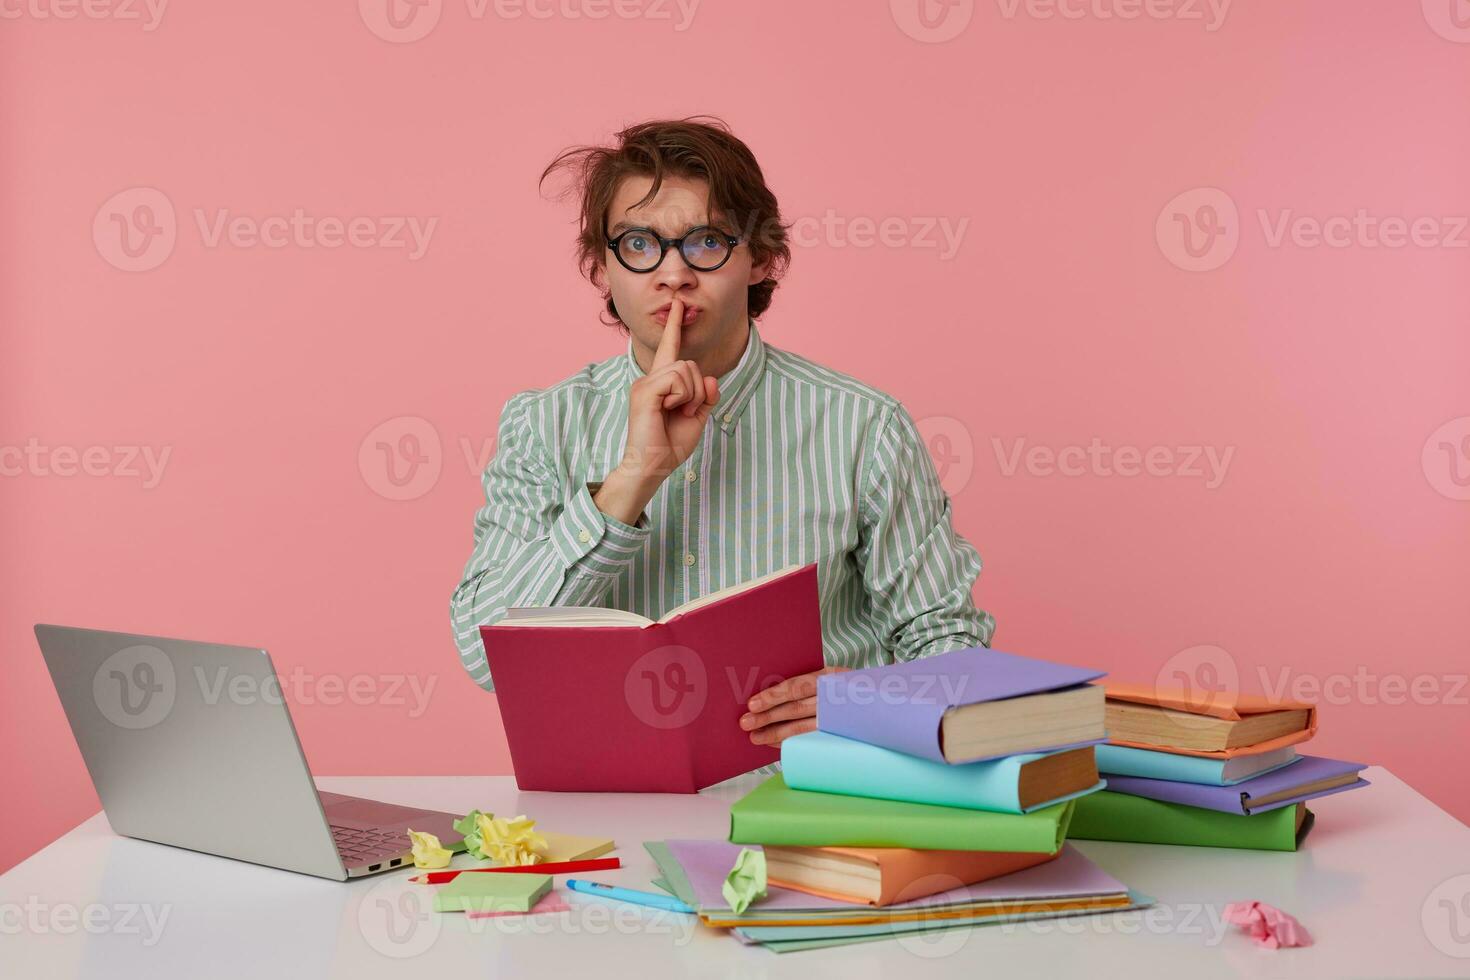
[510, 842]
[428, 852]
[746, 882]
[507, 842]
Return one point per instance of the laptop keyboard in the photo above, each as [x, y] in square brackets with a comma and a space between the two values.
[358, 846]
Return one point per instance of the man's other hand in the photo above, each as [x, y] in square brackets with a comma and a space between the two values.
[785, 709]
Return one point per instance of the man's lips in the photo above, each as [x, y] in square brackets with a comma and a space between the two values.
[691, 313]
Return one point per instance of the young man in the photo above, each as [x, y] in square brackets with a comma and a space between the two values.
[703, 456]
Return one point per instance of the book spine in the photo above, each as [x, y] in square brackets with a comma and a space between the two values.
[1137, 819]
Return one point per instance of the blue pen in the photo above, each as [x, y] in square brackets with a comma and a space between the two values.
[650, 899]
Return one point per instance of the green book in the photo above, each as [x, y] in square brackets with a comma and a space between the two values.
[490, 892]
[773, 813]
[1118, 816]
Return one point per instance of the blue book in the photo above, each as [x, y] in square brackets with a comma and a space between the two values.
[1121, 760]
[826, 763]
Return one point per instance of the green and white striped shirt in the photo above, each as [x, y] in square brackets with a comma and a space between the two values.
[798, 463]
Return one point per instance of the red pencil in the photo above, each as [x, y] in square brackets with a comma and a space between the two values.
[552, 868]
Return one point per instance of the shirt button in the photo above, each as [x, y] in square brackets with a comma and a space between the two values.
[688, 476]
[729, 416]
[583, 536]
[688, 559]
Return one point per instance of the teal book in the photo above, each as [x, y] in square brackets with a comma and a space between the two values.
[1140, 820]
[773, 813]
[1121, 760]
[825, 763]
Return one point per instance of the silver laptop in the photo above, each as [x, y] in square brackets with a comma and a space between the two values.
[191, 744]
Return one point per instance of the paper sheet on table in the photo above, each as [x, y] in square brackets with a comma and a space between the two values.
[791, 939]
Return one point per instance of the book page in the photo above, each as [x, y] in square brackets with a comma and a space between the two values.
[572, 616]
[705, 600]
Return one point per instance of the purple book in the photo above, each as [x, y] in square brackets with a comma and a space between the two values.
[899, 706]
[1240, 797]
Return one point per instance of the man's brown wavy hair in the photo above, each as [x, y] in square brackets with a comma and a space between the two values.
[697, 147]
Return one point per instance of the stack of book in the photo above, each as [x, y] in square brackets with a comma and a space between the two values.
[1209, 768]
[925, 779]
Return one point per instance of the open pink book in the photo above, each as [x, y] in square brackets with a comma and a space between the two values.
[604, 700]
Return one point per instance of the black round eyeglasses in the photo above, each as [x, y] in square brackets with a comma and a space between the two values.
[704, 248]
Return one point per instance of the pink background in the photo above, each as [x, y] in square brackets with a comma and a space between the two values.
[1335, 545]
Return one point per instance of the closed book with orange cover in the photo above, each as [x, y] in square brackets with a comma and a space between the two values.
[882, 876]
[1186, 719]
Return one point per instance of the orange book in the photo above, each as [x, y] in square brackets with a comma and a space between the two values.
[1208, 724]
[880, 876]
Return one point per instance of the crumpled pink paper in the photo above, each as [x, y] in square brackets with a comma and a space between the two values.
[1267, 924]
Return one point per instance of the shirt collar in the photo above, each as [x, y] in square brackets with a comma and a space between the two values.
[737, 385]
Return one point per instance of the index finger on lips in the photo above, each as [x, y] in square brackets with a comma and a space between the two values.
[668, 341]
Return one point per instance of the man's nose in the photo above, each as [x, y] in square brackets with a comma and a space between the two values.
[674, 272]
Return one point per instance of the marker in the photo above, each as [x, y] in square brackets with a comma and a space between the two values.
[666, 902]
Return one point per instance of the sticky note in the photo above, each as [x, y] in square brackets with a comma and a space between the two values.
[566, 847]
[492, 893]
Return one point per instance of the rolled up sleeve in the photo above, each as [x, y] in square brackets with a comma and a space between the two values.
[538, 541]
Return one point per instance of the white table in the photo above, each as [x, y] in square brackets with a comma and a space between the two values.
[1383, 883]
